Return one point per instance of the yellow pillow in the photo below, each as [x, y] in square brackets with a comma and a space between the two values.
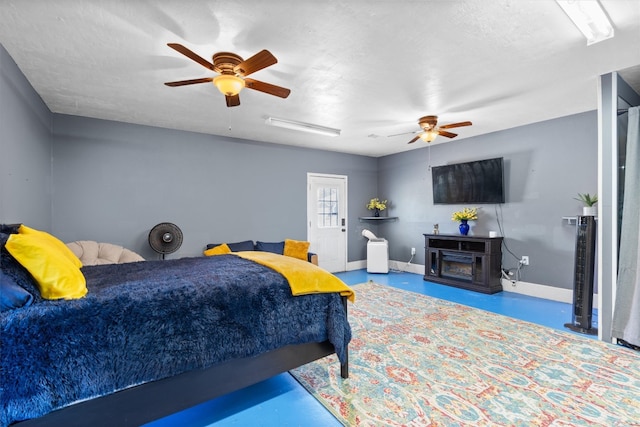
[218, 250]
[55, 274]
[58, 244]
[296, 249]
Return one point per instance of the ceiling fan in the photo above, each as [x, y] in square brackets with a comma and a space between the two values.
[430, 129]
[233, 72]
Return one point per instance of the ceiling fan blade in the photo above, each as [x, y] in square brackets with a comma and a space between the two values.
[447, 134]
[455, 125]
[233, 100]
[191, 55]
[417, 137]
[267, 88]
[257, 62]
[189, 82]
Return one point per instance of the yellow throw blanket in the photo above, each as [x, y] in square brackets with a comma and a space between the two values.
[304, 277]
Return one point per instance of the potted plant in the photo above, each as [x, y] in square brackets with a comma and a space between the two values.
[376, 205]
[463, 217]
[589, 201]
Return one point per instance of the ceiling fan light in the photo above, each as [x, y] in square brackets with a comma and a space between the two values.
[228, 84]
[428, 136]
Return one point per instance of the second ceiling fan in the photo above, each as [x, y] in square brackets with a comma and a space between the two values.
[233, 71]
[430, 129]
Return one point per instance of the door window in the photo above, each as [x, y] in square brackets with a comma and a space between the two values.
[327, 207]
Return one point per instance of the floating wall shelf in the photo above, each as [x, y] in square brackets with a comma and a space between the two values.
[378, 218]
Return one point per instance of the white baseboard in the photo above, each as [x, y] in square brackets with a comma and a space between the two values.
[356, 265]
[542, 291]
[525, 288]
[407, 268]
[538, 291]
[393, 265]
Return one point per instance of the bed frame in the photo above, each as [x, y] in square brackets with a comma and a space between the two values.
[151, 401]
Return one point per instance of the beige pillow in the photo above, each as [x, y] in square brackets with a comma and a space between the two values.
[94, 253]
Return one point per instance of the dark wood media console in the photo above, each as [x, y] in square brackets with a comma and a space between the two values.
[468, 262]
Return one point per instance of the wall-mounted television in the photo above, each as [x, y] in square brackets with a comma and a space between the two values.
[480, 181]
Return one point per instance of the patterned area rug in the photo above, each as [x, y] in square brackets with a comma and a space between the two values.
[420, 361]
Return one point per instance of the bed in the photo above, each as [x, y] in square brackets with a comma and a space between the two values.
[152, 338]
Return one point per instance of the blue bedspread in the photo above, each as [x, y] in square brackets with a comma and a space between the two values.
[150, 320]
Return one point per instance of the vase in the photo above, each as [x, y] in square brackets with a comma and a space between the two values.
[464, 227]
[376, 212]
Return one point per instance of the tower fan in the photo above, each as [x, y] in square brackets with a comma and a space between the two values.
[165, 238]
[583, 276]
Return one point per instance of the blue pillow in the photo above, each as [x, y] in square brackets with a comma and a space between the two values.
[247, 245]
[16, 272]
[11, 295]
[275, 247]
[9, 228]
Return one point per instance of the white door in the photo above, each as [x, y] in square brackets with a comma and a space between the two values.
[327, 220]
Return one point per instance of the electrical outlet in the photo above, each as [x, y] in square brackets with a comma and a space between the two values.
[413, 251]
[524, 260]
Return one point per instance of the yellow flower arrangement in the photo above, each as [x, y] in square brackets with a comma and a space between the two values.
[376, 203]
[468, 214]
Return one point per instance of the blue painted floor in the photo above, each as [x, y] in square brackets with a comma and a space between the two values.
[281, 401]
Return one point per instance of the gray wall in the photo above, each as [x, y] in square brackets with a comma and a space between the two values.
[546, 165]
[25, 149]
[114, 181]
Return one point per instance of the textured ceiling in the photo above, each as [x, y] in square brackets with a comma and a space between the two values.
[370, 68]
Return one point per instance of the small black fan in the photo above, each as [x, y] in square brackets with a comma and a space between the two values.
[165, 238]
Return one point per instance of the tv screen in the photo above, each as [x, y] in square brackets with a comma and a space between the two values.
[479, 181]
